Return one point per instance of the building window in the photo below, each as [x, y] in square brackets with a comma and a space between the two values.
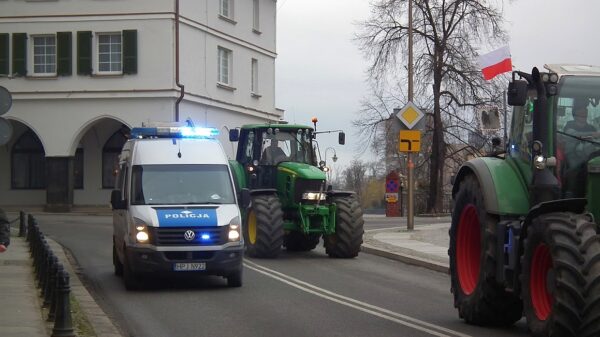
[28, 163]
[226, 8]
[44, 55]
[78, 169]
[254, 83]
[224, 71]
[110, 55]
[256, 16]
[110, 158]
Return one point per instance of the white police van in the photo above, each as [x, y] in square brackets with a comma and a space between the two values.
[174, 207]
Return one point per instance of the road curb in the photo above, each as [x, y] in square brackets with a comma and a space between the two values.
[408, 259]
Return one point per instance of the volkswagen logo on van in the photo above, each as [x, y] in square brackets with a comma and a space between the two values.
[189, 235]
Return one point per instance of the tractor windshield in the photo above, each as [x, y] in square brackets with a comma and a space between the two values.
[577, 127]
[287, 145]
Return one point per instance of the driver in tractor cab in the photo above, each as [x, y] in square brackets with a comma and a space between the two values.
[273, 154]
[576, 153]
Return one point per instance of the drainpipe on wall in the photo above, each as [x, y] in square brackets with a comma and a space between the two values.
[181, 86]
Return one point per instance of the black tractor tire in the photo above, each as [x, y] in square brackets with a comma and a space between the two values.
[560, 279]
[234, 280]
[348, 237]
[478, 297]
[118, 266]
[263, 230]
[300, 242]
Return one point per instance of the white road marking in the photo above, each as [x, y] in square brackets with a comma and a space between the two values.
[355, 304]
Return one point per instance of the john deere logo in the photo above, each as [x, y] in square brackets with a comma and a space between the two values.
[189, 235]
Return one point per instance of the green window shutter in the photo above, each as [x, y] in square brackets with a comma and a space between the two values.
[64, 53]
[19, 42]
[84, 53]
[130, 52]
[4, 52]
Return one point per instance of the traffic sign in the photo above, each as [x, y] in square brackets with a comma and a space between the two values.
[5, 100]
[409, 141]
[410, 115]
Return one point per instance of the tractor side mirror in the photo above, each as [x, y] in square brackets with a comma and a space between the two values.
[517, 92]
[245, 198]
[234, 135]
[116, 201]
[342, 138]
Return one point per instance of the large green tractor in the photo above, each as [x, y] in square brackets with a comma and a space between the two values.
[291, 204]
[524, 235]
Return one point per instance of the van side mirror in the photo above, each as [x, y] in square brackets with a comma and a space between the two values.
[116, 201]
[517, 93]
[245, 198]
[342, 138]
[234, 135]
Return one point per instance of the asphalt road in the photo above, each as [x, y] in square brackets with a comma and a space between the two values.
[300, 294]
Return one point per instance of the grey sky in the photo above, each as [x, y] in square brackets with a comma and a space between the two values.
[321, 72]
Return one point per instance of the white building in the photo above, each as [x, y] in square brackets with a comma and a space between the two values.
[83, 72]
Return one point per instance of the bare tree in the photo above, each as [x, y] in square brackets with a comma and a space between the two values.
[447, 34]
[355, 177]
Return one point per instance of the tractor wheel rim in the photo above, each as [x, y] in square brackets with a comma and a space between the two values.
[252, 227]
[541, 298]
[468, 249]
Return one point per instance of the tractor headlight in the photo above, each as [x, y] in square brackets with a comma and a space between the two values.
[314, 196]
[539, 162]
[234, 229]
[141, 233]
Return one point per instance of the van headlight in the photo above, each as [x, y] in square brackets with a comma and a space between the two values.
[234, 229]
[314, 196]
[141, 232]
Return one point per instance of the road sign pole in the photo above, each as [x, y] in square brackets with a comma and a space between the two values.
[410, 204]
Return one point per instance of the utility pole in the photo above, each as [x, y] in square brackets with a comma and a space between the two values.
[410, 204]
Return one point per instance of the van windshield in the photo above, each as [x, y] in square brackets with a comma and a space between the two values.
[181, 185]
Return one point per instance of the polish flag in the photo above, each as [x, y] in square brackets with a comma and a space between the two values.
[495, 62]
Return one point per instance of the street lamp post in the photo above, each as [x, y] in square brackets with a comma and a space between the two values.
[334, 158]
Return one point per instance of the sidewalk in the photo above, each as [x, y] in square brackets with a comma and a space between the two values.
[425, 246]
[21, 313]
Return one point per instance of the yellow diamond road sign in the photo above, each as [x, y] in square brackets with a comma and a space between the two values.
[410, 115]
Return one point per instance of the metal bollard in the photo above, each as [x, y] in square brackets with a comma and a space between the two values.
[43, 265]
[50, 261]
[54, 296]
[22, 227]
[63, 325]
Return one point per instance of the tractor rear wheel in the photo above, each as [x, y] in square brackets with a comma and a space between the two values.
[300, 242]
[477, 296]
[263, 232]
[560, 281]
[346, 241]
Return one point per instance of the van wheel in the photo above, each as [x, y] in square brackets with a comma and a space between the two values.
[118, 266]
[130, 278]
[234, 280]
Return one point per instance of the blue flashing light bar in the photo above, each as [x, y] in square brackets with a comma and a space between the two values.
[174, 132]
[205, 237]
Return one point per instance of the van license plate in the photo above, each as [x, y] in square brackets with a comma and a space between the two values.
[189, 266]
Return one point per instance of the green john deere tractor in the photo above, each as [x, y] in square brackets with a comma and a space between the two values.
[524, 236]
[291, 204]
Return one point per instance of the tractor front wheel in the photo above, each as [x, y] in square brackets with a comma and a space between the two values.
[561, 276]
[263, 232]
[473, 259]
[346, 241]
